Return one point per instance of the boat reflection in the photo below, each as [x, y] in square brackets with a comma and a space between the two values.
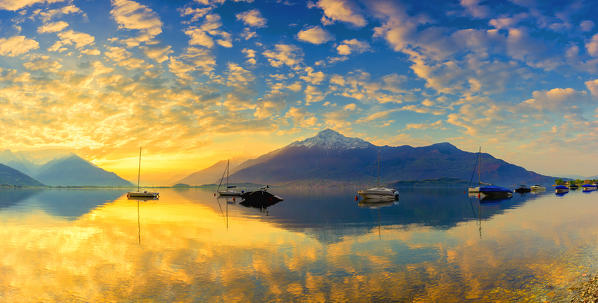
[376, 205]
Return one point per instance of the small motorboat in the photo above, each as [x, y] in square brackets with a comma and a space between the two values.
[573, 186]
[588, 187]
[522, 188]
[492, 192]
[561, 189]
[381, 194]
[537, 188]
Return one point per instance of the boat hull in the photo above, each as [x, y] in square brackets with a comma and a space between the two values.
[473, 190]
[142, 195]
[377, 197]
[229, 194]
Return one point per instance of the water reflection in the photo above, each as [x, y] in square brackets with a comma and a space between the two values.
[531, 249]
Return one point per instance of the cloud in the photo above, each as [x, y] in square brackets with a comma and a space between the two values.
[71, 37]
[52, 27]
[14, 5]
[342, 10]
[250, 54]
[252, 18]
[284, 54]
[436, 124]
[301, 117]
[592, 86]
[557, 100]
[586, 25]
[592, 46]
[47, 15]
[134, 16]
[352, 46]
[157, 53]
[16, 45]
[210, 29]
[315, 35]
[474, 8]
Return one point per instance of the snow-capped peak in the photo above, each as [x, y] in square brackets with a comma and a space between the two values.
[329, 139]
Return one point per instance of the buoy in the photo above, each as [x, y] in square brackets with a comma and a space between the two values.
[356, 198]
[233, 199]
[214, 194]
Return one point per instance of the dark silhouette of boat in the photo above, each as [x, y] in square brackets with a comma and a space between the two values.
[522, 188]
[259, 199]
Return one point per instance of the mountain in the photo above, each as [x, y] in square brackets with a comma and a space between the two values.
[11, 176]
[17, 161]
[75, 171]
[330, 156]
[211, 174]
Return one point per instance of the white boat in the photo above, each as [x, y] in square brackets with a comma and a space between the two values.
[378, 193]
[229, 190]
[537, 188]
[381, 194]
[139, 193]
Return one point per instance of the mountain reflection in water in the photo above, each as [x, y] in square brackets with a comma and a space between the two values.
[96, 245]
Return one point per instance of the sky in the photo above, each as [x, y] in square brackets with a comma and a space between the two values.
[194, 82]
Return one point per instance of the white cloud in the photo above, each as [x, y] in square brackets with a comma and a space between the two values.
[592, 46]
[592, 86]
[252, 18]
[52, 27]
[250, 54]
[556, 99]
[14, 5]
[352, 46]
[285, 54]
[134, 16]
[315, 35]
[342, 10]
[301, 117]
[16, 45]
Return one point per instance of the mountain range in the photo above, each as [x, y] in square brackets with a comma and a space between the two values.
[331, 157]
[66, 170]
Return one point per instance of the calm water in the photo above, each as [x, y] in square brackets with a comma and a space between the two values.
[433, 245]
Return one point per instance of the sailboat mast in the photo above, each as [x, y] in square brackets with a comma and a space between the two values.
[227, 172]
[139, 169]
[378, 169]
[479, 164]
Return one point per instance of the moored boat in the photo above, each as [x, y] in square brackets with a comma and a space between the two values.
[230, 190]
[588, 187]
[522, 188]
[141, 194]
[573, 186]
[537, 188]
[379, 194]
[492, 192]
[260, 198]
[561, 189]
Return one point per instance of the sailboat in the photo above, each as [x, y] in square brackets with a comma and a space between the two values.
[486, 191]
[139, 193]
[379, 193]
[476, 189]
[230, 190]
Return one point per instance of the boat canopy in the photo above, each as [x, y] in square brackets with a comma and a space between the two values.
[588, 185]
[493, 188]
[561, 187]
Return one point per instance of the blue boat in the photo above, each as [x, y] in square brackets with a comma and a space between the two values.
[493, 192]
[588, 187]
[561, 189]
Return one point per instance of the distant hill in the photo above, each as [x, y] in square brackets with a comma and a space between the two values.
[18, 162]
[211, 174]
[75, 171]
[332, 156]
[11, 176]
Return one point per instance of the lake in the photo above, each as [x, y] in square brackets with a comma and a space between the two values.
[434, 244]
